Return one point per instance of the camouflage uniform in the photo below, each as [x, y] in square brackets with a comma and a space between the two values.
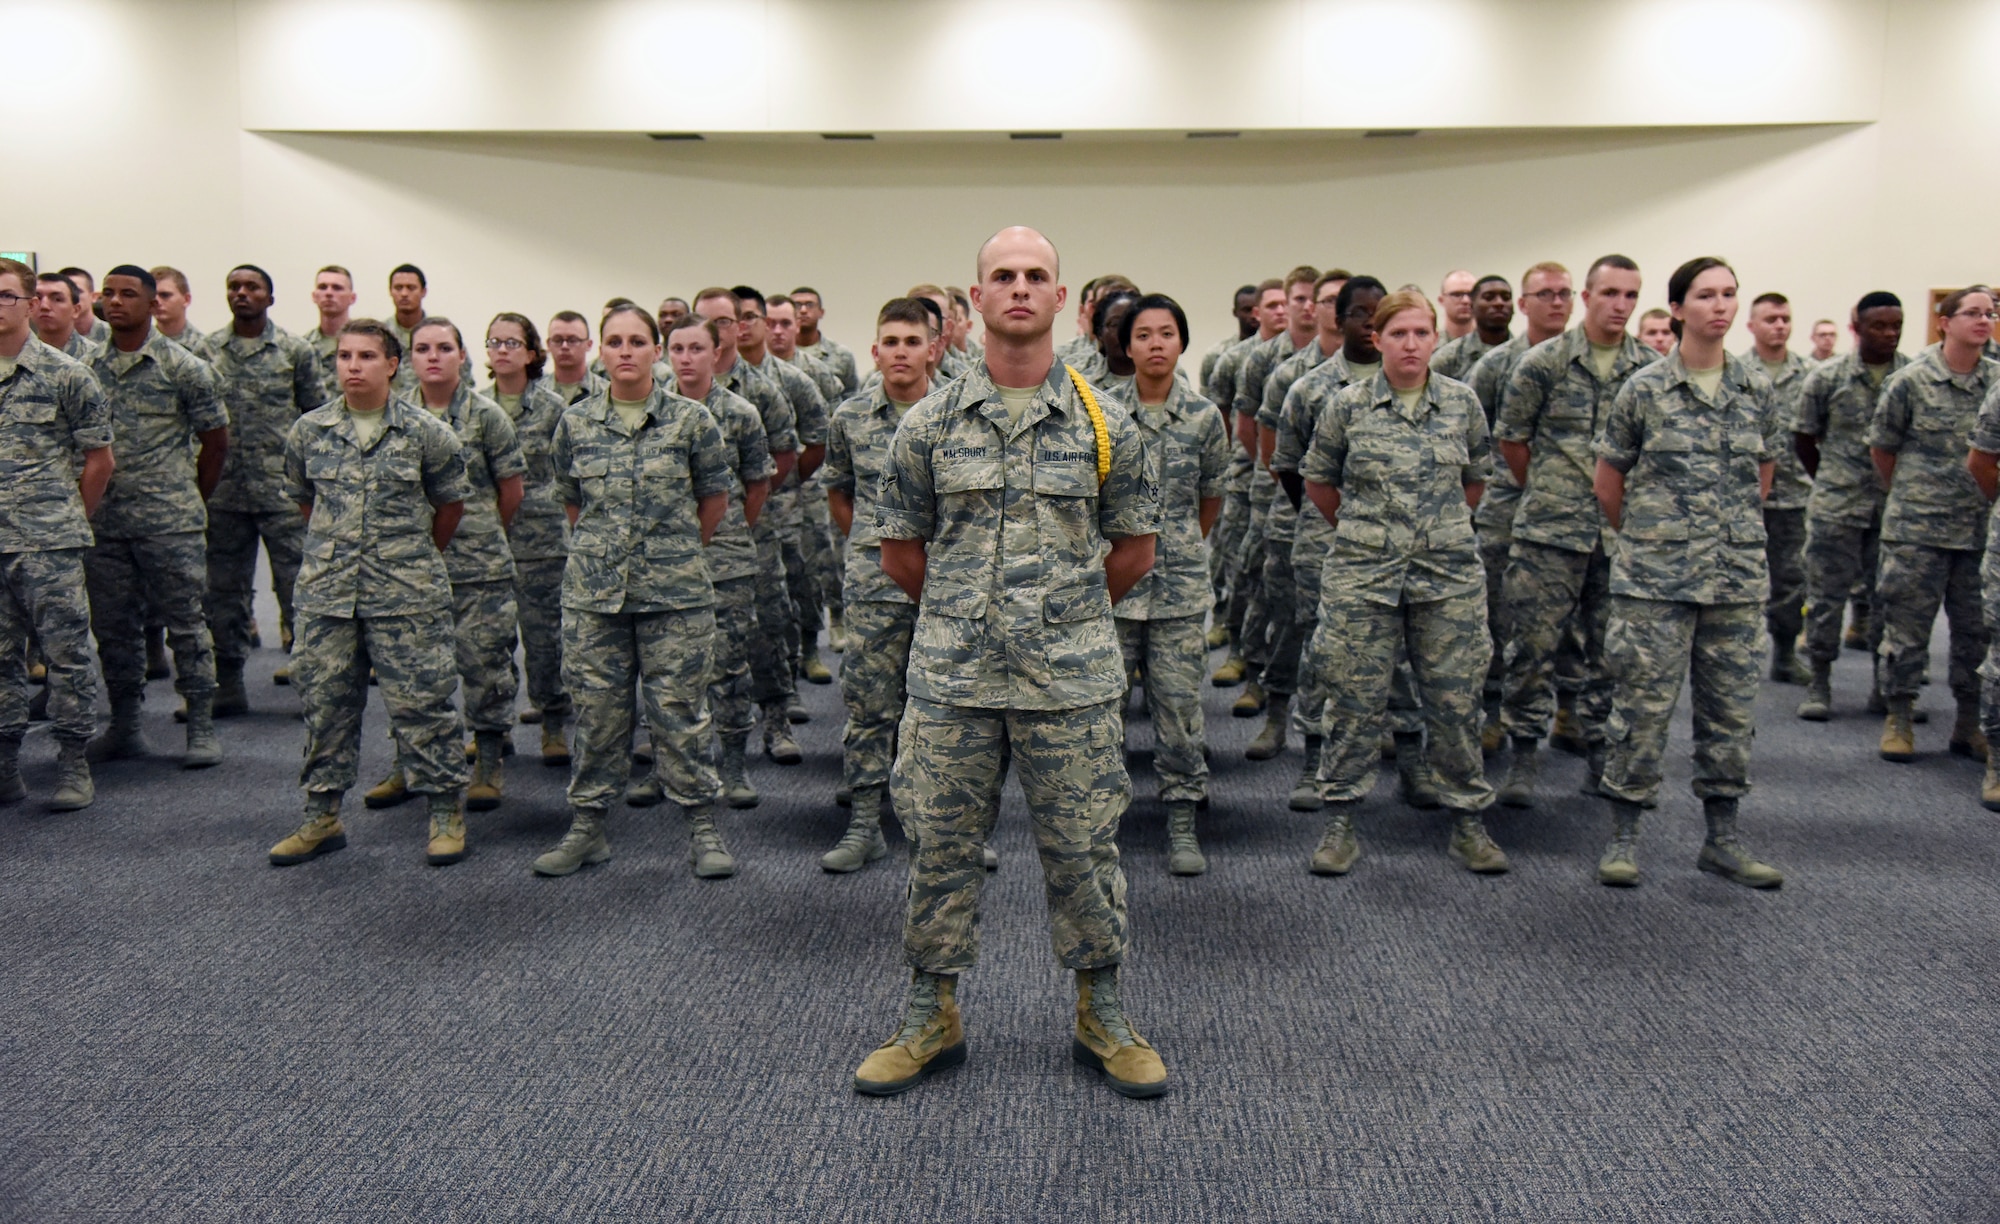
[1455, 358]
[1281, 525]
[538, 538]
[373, 590]
[818, 549]
[324, 347]
[1785, 508]
[405, 382]
[268, 382]
[1933, 522]
[1266, 611]
[80, 347]
[838, 358]
[1211, 357]
[1493, 518]
[809, 415]
[1237, 512]
[51, 412]
[150, 550]
[1836, 405]
[481, 565]
[1689, 578]
[1986, 438]
[637, 599]
[880, 617]
[1160, 620]
[198, 344]
[1555, 405]
[1014, 646]
[732, 559]
[1403, 570]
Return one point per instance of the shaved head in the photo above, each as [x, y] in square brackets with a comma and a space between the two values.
[1013, 239]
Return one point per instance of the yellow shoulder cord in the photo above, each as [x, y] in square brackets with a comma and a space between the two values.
[1096, 423]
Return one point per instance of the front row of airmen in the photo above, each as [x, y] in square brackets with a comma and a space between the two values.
[1025, 542]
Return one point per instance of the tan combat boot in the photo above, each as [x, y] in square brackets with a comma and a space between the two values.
[1106, 1041]
[931, 1039]
[484, 792]
[1230, 674]
[447, 844]
[584, 845]
[1724, 855]
[1338, 848]
[1473, 848]
[555, 747]
[1989, 787]
[1967, 740]
[1899, 741]
[1251, 703]
[1620, 865]
[391, 791]
[320, 834]
[1567, 734]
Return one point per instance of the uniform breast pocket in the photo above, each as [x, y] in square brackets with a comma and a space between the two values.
[961, 473]
[399, 467]
[590, 472]
[1450, 452]
[322, 468]
[1065, 478]
[1087, 598]
[666, 466]
[31, 410]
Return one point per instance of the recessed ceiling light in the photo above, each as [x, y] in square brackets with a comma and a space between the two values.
[1389, 133]
[1034, 135]
[847, 135]
[1213, 135]
[676, 136]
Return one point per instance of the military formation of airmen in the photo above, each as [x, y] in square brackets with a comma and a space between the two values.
[1420, 537]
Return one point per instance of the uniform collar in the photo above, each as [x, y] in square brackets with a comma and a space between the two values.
[1577, 348]
[1382, 395]
[1734, 375]
[395, 416]
[979, 393]
[1936, 370]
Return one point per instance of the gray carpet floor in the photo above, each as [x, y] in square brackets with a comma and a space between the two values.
[189, 1034]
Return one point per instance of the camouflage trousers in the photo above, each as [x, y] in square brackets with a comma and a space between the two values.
[771, 662]
[1989, 667]
[1356, 649]
[816, 542]
[1285, 638]
[232, 573]
[1256, 639]
[1494, 545]
[735, 639]
[538, 604]
[131, 581]
[670, 658]
[1544, 587]
[1650, 644]
[1784, 555]
[946, 787]
[1222, 542]
[1913, 581]
[412, 658]
[800, 584]
[1840, 558]
[42, 597]
[484, 622]
[871, 684]
[1172, 655]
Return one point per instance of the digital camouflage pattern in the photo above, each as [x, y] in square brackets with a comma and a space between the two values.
[1840, 558]
[163, 576]
[1836, 405]
[1258, 363]
[1286, 635]
[268, 382]
[636, 545]
[825, 558]
[729, 692]
[1549, 593]
[1555, 405]
[1650, 645]
[162, 398]
[42, 594]
[838, 358]
[1455, 358]
[859, 440]
[1219, 381]
[1915, 580]
[1171, 654]
[946, 789]
[732, 552]
[540, 530]
[411, 656]
[323, 347]
[483, 620]
[1210, 358]
[1925, 418]
[538, 606]
[479, 550]
[1785, 557]
[368, 548]
[1015, 611]
[871, 686]
[1791, 487]
[197, 343]
[52, 411]
[1493, 517]
[1187, 445]
[669, 656]
[232, 573]
[1693, 524]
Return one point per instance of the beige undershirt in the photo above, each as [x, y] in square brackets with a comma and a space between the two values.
[509, 404]
[567, 390]
[1016, 401]
[7, 367]
[1876, 373]
[1773, 370]
[368, 426]
[632, 412]
[901, 407]
[1602, 358]
[1709, 380]
[1361, 371]
[1410, 398]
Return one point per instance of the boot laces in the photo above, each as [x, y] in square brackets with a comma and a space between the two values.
[1109, 1011]
[921, 1009]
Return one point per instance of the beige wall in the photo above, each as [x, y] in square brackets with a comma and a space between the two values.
[153, 164]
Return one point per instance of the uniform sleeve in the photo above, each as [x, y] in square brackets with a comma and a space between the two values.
[445, 478]
[309, 383]
[1128, 502]
[1485, 383]
[1289, 450]
[1986, 431]
[1478, 445]
[1522, 401]
[88, 412]
[1624, 428]
[1272, 401]
[200, 396]
[1250, 384]
[753, 457]
[503, 445]
[708, 460]
[837, 471]
[1214, 455]
[561, 455]
[1326, 462]
[1771, 417]
[781, 429]
[1810, 415]
[298, 489]
[810, 408]
[1891, 424]
[907, 509]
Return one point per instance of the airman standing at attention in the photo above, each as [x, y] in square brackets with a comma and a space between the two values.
[477, 561]
[84, 318]
[814, 342]
[1244, 579]
[731, 555]
[1236, 501]
[1455, 300]
[1017, 506]
[170, 432]
[1684, 460]
[1934, 520]
[672, 311]
[1836, 408]
[1396, 465]
[816, 540]
[1791, 487]
[333, 298]
[1656, 330]
[1160, 621]
[1825, 335]
[1558, 567]
[1492, 319]
[1984, 463]
[270, 378]
[569, 358]
[408, 287]
[170, 312]
[55, 316]
[381, 484]
[643, 473]
[881, 615]
[55, 460]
